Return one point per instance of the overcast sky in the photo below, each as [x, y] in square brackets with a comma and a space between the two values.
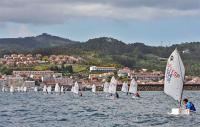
[150, 21]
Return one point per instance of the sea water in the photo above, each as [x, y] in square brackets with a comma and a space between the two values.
[93, 110]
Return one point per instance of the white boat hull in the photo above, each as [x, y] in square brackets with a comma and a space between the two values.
[178, 111]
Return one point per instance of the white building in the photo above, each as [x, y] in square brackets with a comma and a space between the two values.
[102, 69]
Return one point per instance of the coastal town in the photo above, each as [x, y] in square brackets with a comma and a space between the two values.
[98, 75]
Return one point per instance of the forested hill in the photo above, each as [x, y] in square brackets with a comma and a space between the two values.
[106, 51]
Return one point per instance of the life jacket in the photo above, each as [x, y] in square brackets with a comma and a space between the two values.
[190, 106]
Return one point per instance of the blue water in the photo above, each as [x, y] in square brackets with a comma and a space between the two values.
[68, 110]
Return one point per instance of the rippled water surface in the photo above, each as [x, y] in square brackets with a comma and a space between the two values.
[68, 110]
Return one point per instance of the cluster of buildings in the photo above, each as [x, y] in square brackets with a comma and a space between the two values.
[64, 59]
[142, 76]
[22, 60]
[30, 79]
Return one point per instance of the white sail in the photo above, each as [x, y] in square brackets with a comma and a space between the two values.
[18, 89]
[174, 76]
[11, 89]
[124, 87]
[72, 89]
[49, 89]
[21, 88]
[44, 88]
[94, 88]
[57, 88]
[76, 88]
[113, 85]
[106, 87]
[3, 89]
[35, 89]
[25, 89]
[62, 89]
[133, 86]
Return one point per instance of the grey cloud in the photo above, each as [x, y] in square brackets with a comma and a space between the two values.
[57, 11]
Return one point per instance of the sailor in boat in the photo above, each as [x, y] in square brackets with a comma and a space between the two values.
[137, 95]
[80, 94]
[116, 95]
[189, 105]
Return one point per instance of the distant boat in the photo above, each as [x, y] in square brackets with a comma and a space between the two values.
[124, 87]
[44, 88]
[76, 88]
[35, 89]
[12, 89]
[18, 89]
[106, 87]
[174, 80]
[62, 89]
[94, 88]
[72, 89]
[3, 89]
[21, 89]
[57, 88]
[25, 89]
[49, 89]
[113, 86]
[133, 87]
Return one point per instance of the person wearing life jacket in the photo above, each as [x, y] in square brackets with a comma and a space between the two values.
[116, 95]
[189, 105]
[137, 94]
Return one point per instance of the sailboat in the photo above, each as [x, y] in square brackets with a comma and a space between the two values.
[44, 88]
[18, 89]
[3, 89]
[94, 88]
[174, 80]
[72, 89]
[124, 87]
[76, 88]
[106, 87]
[49, 89]
[12, 89]
[113, 86]
[36, 89]
[57, 88]
[25, 89]
[62, 89]
[133, 87]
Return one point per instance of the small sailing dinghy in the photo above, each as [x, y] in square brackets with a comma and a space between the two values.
[94, 88]
[106, 87]
[3, 89]
[72, 89]
[174, 80]
[18, 89]
[76, 88]
[124, 87]
[57, 88]
[113, 88]
[44, 88]
[12, 90]
[61, 89]
[49, 89]
[25, 89]
[133, 88]
[36, 89]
